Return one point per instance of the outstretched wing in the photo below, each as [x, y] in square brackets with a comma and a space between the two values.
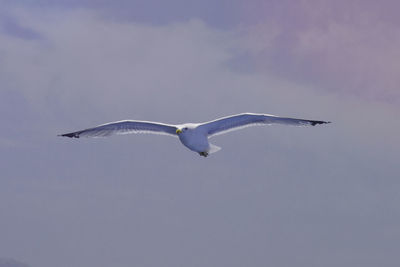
[239, 121]
[125, 127]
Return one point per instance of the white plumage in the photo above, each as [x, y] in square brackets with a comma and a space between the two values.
[192, 135]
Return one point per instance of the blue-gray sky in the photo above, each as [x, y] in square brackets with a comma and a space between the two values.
[279, 196]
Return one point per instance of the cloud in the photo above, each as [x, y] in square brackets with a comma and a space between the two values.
[349, 47]
[364, 57]
[343, 47]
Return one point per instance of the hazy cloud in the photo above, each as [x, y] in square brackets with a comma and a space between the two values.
[344, 46]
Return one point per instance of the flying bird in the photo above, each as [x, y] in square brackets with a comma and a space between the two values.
[192, 135]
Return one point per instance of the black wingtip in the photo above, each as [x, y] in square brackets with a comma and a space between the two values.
[313, 123]
[70, 135]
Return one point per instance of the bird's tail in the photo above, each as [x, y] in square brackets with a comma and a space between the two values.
[213, 148]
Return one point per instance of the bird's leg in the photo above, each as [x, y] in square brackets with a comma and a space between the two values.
[204, 154]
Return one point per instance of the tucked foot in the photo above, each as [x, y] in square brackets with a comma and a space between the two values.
[204, 154]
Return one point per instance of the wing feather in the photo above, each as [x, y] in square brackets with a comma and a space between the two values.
[125, 127]
[235, 122]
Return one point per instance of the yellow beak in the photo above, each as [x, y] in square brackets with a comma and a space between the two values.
[178, 131]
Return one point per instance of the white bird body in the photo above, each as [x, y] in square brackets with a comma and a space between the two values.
[192, 135]
[193, 138]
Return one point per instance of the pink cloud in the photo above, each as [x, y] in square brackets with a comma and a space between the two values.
[347, 46]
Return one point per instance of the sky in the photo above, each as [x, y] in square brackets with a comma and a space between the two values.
[273, 196]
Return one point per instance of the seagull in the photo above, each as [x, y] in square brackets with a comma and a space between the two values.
[192, 135]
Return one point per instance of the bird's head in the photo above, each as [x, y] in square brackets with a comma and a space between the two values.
[181, 130]
[186, 128]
